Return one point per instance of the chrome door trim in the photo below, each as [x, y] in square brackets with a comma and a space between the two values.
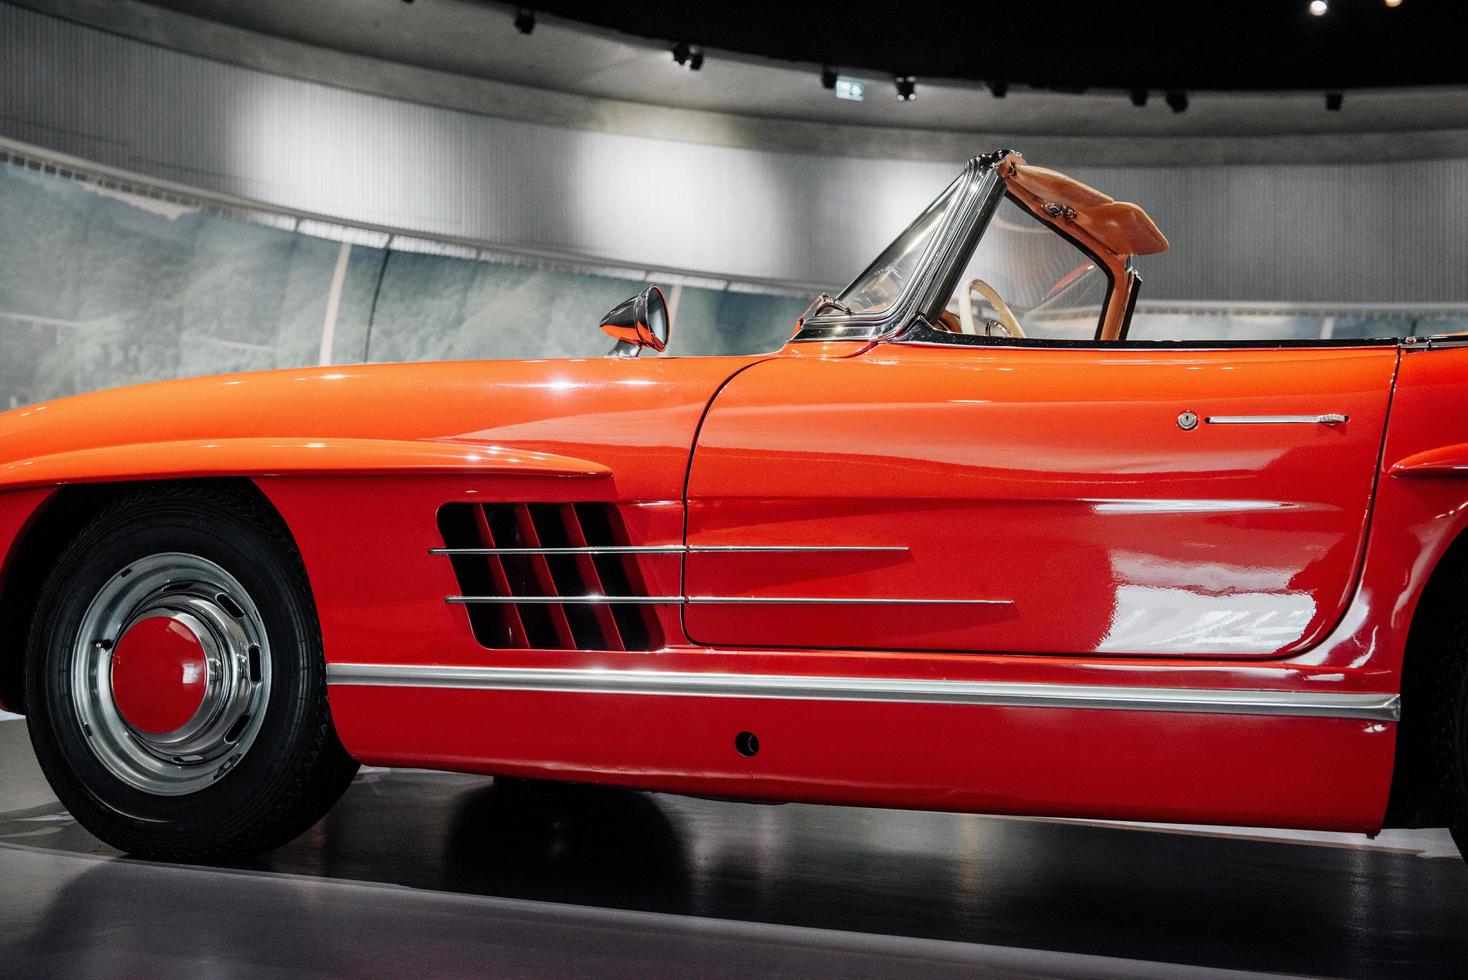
[659, 600]
[1310, 704]
[671, 549]
[705, 549]
[1329, 418]
[617, 549]
[566, 600]
[780, 600]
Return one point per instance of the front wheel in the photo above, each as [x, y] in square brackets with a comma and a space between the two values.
[176, 681]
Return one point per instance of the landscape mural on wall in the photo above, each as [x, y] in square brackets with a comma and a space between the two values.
[101, 288]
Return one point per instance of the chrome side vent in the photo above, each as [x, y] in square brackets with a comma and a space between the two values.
[518, 560]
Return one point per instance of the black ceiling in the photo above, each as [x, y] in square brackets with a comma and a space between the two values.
[1076, 44]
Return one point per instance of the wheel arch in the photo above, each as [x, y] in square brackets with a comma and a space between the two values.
[1417, 797]
[34, 553]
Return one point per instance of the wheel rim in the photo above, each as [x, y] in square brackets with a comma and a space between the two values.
[170, 673]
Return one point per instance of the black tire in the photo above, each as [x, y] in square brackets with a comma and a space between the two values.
[294, 768]
[1453, 743]
[1432, 739]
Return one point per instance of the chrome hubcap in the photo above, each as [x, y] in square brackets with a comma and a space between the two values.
[171, 673]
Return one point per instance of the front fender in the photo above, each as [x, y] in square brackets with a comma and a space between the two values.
[264, 456]
[579, 418]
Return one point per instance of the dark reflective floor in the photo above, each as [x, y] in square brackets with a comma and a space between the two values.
[1327, 906]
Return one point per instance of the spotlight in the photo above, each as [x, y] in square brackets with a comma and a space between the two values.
[524, 20]
[690, 56]
[1319, 7]
[1139, 97]
[998, 88]
[1333, 101]
[1177, 101]
[1393, 3]
[828, 77]
[906, 87]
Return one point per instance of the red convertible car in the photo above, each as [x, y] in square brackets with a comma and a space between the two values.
[959, 544]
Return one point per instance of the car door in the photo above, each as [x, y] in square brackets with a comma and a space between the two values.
[1036, 499]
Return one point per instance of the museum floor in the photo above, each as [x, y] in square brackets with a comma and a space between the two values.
[426, 874]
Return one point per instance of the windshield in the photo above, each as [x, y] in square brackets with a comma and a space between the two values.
[876, 289]
[1025, 280]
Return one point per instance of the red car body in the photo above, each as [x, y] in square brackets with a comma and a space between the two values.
[890, 571]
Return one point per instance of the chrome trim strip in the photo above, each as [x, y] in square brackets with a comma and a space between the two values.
[701, 549]
[1329, 418]
[622, 549]
[1311, 704]
[1161, 505]
[671, 549]
[981, 192]
[566, 600]
[781, 600]
[658, 600]
[925, 336]
[1439, 341]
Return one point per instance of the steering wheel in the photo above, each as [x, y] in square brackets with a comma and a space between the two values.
[1007, 319]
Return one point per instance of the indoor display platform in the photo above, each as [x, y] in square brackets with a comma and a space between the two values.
[429, 874]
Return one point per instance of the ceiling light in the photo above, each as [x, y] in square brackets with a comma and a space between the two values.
[1393, 3]
[906, 87]
[1333, 101]
[1177, 101]
[690, 56]
[524, 20]
[1139, 97]
[1319, 7]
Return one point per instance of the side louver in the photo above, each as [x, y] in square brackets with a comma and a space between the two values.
[549, 576]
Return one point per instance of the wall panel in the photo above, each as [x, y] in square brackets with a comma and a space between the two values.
[1350, 232]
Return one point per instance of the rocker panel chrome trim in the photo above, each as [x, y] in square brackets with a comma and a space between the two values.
[1363, 707]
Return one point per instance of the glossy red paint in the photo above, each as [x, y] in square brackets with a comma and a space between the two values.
[1131, 538]
[680, 744]
[1297, 772]
[365, 535]
[188, 458]
[498, 419]
[380, 594]
[158, 675]
[1440, 462]
[1058, 481]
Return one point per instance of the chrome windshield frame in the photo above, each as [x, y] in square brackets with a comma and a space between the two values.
[967, 216]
